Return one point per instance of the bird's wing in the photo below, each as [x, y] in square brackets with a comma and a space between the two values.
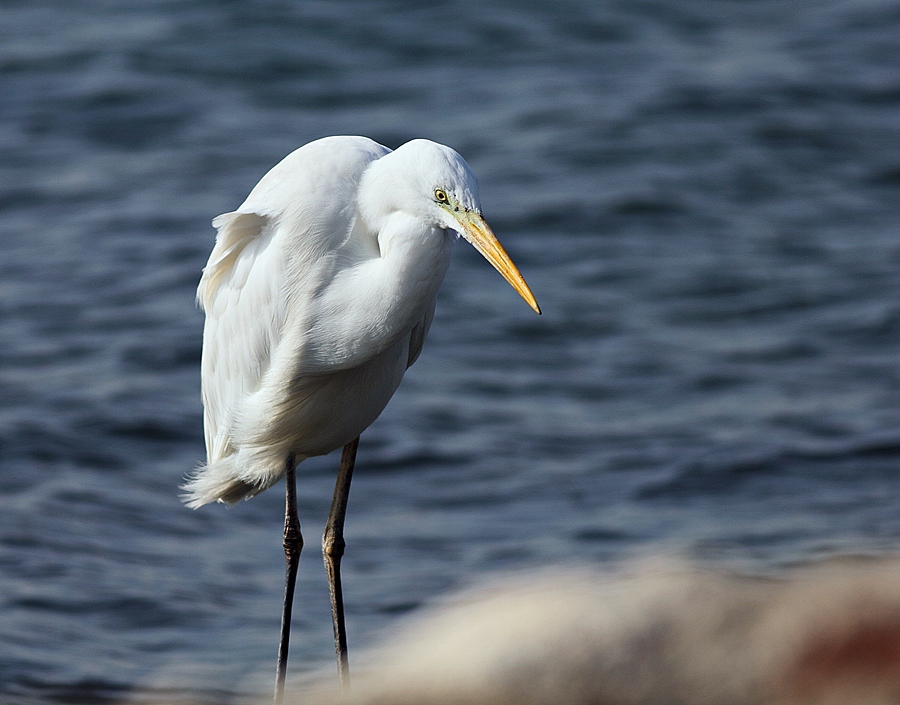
[269, 256]
[244, 319]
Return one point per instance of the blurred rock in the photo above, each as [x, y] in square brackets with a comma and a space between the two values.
[666, 634]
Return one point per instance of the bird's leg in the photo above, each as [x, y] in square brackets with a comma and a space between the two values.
[293, 544]
[332, 550]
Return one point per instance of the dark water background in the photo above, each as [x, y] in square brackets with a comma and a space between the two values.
[703, 194]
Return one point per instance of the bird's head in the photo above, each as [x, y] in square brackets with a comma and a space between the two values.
[434, 184]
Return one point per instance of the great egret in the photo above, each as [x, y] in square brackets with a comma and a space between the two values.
[318, 295]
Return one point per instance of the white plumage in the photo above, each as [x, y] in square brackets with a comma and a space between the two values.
[318, 295]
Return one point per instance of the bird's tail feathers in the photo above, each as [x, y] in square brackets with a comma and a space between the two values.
[238, 476]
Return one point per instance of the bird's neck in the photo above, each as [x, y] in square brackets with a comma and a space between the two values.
[414, 259]
[380, 297]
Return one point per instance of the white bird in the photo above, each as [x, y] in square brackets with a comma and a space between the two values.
[318, 295]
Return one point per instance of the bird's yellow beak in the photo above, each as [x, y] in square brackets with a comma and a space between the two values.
[476, 231]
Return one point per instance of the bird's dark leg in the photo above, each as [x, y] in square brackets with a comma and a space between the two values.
[293, 544]
[332, 550]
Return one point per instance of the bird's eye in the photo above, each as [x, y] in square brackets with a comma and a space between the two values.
[441, 196]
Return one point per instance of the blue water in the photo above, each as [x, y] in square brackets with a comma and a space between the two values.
[703, 195]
